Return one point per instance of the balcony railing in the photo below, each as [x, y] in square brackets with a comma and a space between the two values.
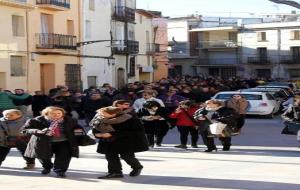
[289, 59]
[152, 48]
[218, 61]
[124, 14]
[58, 5]
[126, 47]
[218, 44]
[259, 60]
[56, 41]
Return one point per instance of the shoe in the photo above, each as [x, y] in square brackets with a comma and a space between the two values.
[111, 176]
[29, 167]
[194, 146]
[181, 146]
[226, 148]
[135, 172]
[211, 150]
[151, 145]
[158, 145]
[61, 174]
[45, 171]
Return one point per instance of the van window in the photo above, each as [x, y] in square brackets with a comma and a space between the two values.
[270, 97]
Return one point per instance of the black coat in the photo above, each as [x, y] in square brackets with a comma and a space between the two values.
[227, 116]
[129, 137]
[156, 127]
[39, 145]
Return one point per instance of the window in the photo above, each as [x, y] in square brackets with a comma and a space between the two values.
[232, 36]
[92, 81]
[73, 76]
[87, 29]
[262, 53]
[132, 67]
[17, 66]
[46, 23]
[294, 73]
[92, 5]
[70, 27]
[295, 35]
[18, 27]
[261, 36]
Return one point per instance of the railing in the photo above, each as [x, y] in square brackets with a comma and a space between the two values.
[152, 48]
[59, 3]
[126, 47]
[56, 41]
[289, 59]
[125, 14]
[259, 60]
[218, 61]
[218, 44]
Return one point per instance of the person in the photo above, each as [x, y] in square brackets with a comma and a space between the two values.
[24, 103]
[127, 139]
[11, 125]
[240, 105]
[185, 123]
[153, 117]
[39, 102]
[215, 112]
[171, 99]
[92, 103]
[146, 96]
[52, 133]
[6, 100]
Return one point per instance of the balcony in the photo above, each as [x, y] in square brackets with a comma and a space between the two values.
[124, 14]
[126, 47]
[152, 48]
[220, 44]
[259, 60]
[17, 3]
[56, 41]
[289, 59]
[54, 5]
[217, 62]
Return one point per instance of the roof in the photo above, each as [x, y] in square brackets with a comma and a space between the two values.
[228, 28]
[146, 13]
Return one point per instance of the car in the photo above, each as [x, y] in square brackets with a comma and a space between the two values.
[260, 103]
[283, 84]
[287, 89]
[279, 94]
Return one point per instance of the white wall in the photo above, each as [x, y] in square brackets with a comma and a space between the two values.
[100, 30]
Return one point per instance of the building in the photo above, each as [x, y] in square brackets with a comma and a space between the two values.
[271, 50]
[144, 33]
[161, 59]
[14, 54]
[97, 65]
[181, 60]
[53, 35]
[126, 47]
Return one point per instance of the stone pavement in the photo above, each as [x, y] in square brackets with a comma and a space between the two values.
[261, 159]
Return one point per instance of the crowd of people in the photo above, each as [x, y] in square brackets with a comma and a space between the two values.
[124, 121]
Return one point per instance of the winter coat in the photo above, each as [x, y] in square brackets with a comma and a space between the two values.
[12, 128]
[157, 127]
[39, 102]
[182, 119]
[39, 145]
[129, 137]
[6, 100]
[240, 106]
[227, 116]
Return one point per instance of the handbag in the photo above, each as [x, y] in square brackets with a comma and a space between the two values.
[217, 128]
[83, 139]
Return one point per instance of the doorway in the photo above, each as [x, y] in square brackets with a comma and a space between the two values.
[120, 78]
[47, 77]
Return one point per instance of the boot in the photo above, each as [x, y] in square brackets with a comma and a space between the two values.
[29, 167]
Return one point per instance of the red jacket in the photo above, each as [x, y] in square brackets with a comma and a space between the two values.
[183, 119]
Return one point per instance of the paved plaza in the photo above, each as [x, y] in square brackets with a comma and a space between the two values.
[261, 158]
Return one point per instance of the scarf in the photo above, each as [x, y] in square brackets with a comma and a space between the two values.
[54, 127]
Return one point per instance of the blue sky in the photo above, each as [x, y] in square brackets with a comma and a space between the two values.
[214, 7]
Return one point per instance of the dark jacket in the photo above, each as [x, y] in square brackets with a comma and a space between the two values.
[292, 114]
[129, 137]
[157, 127]
[227, 116]
[39, 145]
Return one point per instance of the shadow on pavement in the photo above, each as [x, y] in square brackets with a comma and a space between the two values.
[211, 183]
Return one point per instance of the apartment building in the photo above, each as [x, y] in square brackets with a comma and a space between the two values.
[14, 54]
[271, 50]
[95, 23]
[144, 33]
[125, 47]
